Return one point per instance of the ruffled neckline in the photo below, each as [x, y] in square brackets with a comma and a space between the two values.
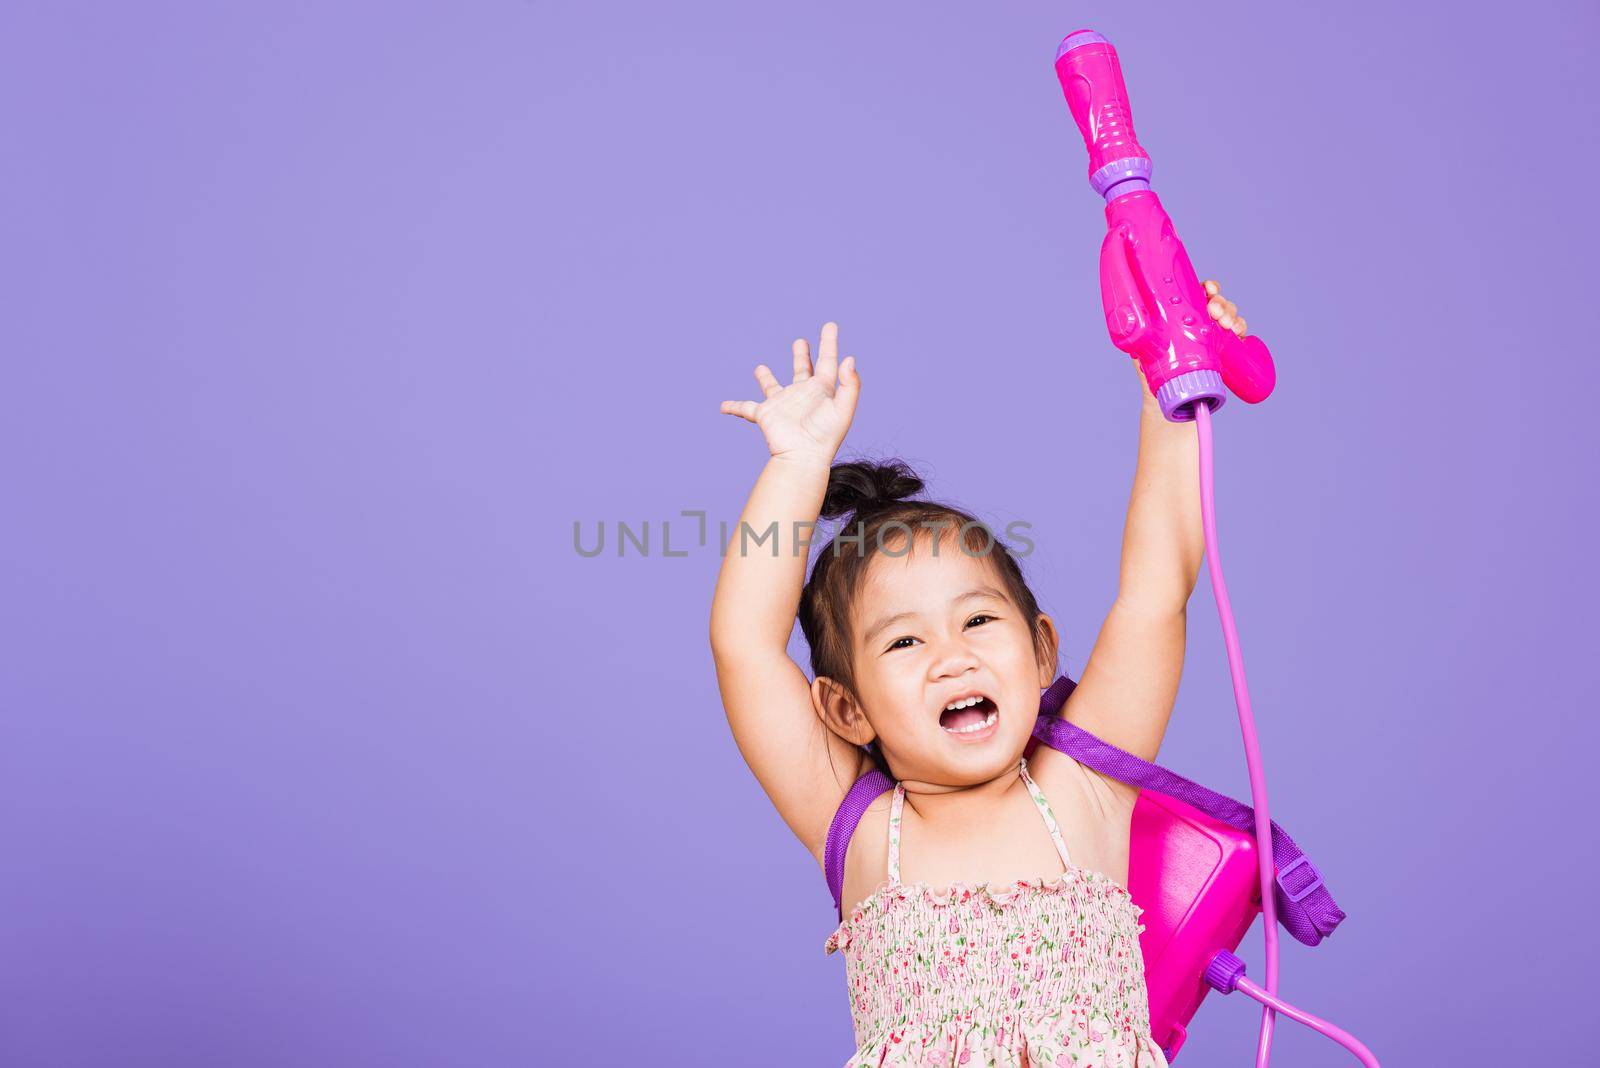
[888, 893]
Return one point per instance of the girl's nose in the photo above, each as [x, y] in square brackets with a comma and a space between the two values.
[953, 658]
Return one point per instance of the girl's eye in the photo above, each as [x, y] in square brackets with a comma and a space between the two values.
[896, 644]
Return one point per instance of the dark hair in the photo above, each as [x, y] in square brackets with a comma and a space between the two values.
[875, 493]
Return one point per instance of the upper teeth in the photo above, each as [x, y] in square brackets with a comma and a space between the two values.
[963, 703]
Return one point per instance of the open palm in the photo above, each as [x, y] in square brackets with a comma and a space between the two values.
[809, 417]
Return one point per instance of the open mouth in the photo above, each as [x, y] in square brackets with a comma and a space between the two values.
[973, 716]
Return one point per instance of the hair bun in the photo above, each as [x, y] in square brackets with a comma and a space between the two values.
[861, 486]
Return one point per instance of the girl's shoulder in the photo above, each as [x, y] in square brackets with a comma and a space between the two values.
[1056, 772]
[1095, 811]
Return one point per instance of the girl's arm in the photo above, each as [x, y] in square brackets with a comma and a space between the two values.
[1131, 680]
[804, 768]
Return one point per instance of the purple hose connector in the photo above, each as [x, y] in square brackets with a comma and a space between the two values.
[1224, 972]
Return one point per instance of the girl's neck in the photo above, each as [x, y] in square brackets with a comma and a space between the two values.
[939, 803]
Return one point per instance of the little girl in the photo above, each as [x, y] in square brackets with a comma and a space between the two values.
[989, 922]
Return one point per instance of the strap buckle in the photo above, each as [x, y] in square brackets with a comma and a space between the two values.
[1313, 877]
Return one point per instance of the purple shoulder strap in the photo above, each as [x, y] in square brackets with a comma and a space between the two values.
[1305, 907]
[862, 794]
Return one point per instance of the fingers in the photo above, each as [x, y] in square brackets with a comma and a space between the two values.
[769, 384]
[828, 353]
[844, 398]
[802, 360]
[1218, 303]
[1223, 310]
[827, 367]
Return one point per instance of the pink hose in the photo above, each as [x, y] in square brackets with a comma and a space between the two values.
[1247, 724]
[1316, 1023]
[1258, 780]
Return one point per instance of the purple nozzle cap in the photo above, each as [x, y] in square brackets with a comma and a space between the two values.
[1119, 171]
[1178, 395]
[1126, 186]
[1077, 39]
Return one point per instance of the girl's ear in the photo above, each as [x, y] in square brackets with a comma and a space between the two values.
[840, 712]
[1048, 646]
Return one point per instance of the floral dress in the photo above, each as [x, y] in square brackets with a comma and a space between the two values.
[1041, 972]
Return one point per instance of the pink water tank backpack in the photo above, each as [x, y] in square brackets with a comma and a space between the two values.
[1191, 867]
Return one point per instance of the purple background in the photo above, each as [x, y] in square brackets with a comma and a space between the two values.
[324, 323]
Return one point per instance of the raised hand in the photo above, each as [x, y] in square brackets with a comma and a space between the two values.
[808, 418]
[1222, 310]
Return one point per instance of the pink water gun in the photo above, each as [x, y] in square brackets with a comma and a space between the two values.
[1155, 311]
[1154, 302]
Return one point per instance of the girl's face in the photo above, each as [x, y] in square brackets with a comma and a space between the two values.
[929, 629]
